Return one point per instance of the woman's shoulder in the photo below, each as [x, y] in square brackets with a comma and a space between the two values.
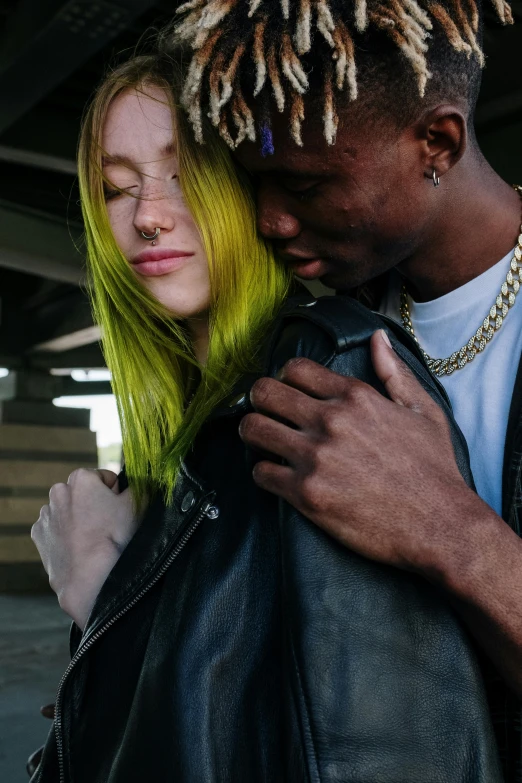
[335, 331]
[320, 329]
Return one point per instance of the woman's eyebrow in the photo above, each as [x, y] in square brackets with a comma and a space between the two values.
[111, 160]
[123, 160]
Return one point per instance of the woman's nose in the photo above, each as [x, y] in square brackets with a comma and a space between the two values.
[153, 211]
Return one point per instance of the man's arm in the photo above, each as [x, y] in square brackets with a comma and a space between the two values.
[380, 476]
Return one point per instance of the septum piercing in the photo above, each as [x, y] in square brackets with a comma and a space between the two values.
[151, 237]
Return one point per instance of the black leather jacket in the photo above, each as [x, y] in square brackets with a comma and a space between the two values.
[234, 642]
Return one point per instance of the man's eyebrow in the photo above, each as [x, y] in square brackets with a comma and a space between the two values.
[124, 160]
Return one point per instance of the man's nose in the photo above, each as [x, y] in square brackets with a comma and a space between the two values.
[274, 220]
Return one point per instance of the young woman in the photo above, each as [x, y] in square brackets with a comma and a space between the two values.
[230, 640]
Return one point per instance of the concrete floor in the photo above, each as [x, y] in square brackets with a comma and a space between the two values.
[34, 652]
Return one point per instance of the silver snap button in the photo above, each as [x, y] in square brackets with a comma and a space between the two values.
[213, 512]
[188, 501]
[237, 400]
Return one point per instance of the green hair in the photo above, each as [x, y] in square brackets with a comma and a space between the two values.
[147, 350]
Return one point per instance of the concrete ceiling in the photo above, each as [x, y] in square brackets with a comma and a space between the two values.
[52, 54]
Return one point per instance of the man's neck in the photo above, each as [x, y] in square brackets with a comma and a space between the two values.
[478, 225]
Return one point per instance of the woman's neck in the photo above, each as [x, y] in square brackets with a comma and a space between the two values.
[198, 330]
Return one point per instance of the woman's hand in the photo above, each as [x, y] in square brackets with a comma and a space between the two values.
[81, 534]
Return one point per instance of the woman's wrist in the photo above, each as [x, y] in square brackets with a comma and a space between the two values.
[78, 597]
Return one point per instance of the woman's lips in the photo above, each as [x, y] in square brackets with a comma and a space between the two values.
[159, 261]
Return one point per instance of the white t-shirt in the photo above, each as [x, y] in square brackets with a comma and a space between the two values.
[481, 391]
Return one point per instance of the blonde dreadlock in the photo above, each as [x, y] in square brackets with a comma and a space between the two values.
[279, 34]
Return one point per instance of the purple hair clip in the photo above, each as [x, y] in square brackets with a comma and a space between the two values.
[267, 141]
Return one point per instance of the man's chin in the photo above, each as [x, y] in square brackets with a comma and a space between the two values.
[336, 281]
[330, 281]
[336, 275]
[344, 278]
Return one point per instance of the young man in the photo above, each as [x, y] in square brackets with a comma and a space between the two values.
[355, 120]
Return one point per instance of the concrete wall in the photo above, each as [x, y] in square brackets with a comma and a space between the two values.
[32, 458]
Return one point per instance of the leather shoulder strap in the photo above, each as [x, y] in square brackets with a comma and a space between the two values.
[343, 324]
[347, 322]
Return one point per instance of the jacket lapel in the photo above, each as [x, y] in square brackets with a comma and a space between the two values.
[160, 530]
[512, 467]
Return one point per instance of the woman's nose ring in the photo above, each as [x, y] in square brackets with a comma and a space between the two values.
[150, 237]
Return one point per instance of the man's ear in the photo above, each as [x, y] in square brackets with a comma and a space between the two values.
[443, 133]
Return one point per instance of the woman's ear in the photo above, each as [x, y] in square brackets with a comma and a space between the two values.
[443, 133]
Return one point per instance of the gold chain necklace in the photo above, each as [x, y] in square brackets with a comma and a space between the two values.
[491, 323]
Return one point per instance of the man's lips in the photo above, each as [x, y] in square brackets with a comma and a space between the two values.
[306, 268]
[159, 261]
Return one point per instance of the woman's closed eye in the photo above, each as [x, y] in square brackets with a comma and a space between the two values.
[114, 192]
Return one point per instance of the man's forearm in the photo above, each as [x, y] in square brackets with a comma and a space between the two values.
[484, 582]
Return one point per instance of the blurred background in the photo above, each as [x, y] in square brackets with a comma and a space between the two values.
[56, 408]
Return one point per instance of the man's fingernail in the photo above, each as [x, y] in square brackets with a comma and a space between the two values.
[386, 338]
[279, 374]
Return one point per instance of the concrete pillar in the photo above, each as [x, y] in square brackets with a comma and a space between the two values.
[40, 445]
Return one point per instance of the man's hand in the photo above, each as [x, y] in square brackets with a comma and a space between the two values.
[373, 472]
[380, 476]
[81, 534]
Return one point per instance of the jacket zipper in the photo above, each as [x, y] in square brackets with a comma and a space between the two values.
[88, 644]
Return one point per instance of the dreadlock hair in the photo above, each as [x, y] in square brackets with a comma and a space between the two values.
[391, 54]
[146, 348]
